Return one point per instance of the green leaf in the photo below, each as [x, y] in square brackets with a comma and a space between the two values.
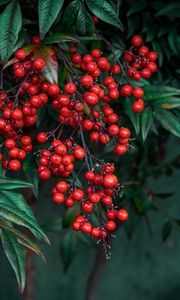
[50, 70]
[164, 195]
[70, 14]
[168, 120]
[135, 119]
[10, 25]
[11, 184]
[171, 10]
[17, 216]
[169, 103]
[2, 2]
[156, 92]
[84, 23]
[48, 11]
[30, 170]
[166, 230]
[54, 225]
[68, 248]
[16, 256]
[59, 38]
[146, 121]
[136, 7]
[104, 11]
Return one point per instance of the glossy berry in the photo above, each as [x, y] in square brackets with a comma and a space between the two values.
[110, 225]
[122, 215]
[20, 54]
[38, 64]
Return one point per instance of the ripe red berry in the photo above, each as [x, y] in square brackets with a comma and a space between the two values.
[17, 114]
[41, 137]
[138, 93]
[38, 64]
[19, 72]
[110, 181]
[95, 232]
[138, 106]
[86, 227]
[91, 98]
[79, 153]
[115, 69]
[36, 40]
[94, 198]
[95, 19]
[78, 195]
[14, 165]
[87, 207]
[53, 90]
[152, 55]
[126, 90]
[76, 225]
[120, 149]
[95, 53]
[20, 54]
[111, 214]
[124, 133]
[110, 225]
[58, 198]
[136, 40]
[87, 80]
[70, 88]
[113, 129]
[122, 215]
[89, 175]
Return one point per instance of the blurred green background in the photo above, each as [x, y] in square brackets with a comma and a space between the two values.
[141, 268]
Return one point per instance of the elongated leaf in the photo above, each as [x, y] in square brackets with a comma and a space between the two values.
[166, 230]
[168, 120]
[146, 121]
[10, 25]
[48, 11]
[11, 184]
[16, 256]
[169, 103]
[155, 92]
[135, 119]
[50, 70]
[59, 38]
[104, 11]
[22, 238]
[84, 23]
[30, 171]
[68, 248]
[171, 9]
[70, 14]
[19, 217]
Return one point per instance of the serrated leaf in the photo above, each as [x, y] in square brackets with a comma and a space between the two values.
[135, 119]
[104, 11]
[16, 256]
[84, 23]
[171, 10]
[168, 120]
[10, 26]
[146, 121]
[166, 230]
[59, 38]
[50, 70]
[68, 248]
[30, 170]
[48, 11]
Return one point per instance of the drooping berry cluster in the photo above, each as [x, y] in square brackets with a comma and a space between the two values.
[83, 104]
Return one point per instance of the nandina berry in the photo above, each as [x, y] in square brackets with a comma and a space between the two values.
[113, 93]
[152, 55]
[94, 198]
[87, 124]
[79, 153]
[91, 66]
[70, 88]
[36, 40]
[62, 186]
[113, 129]
[115, 69]
[95, 232]
[120, 149]
[78, 195]
[110, 180]
[143, 50]
[110, 225]
[20, 54]
[25, 140]
[87, 80]
[14, 165]
[38, 64]
[126, 90]
[89, 175]
[69, 202]
[95, 53]
[138, 93]
[136, 40]
[76, 225]
[16, 114]
[86, 227]
[14, 153]
[53, 90]
[138, 106]
[41, 137]
[111, 214]
[87, 207]
[107, 200]
[45, 174]
[91, 98]
[122, 215]
[19, 72]
[9, 144]
[58, 198]
[124, 133]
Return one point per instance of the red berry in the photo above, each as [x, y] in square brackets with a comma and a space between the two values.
[79, 153]
[36, 40]
[87, 207]
[136, 40]
[53, 90]
[111, 214]
[113, 129]
[152, 55]
[124, 133]
[122, 215]
[14, 165]
[86, 227]
[94, 198]
[95, 232]
[16, 114]
[20, 54]
[126, 90]
[58, 198]
[38, 64]
[61, 186]
[87, 80]
[138, 106]
[78, 195]
[70, 88]
[76, 225]
[95, 19]
[19, 72]
[110, 181]
[120, 149]
[110, 225]
[138, 93]
[41, 137]
[95, 53]
[89, 175]
[91, 98]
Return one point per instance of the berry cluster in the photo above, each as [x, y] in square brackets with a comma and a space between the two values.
[83, 104]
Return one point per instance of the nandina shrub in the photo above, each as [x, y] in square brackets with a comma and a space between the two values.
[74, 102]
